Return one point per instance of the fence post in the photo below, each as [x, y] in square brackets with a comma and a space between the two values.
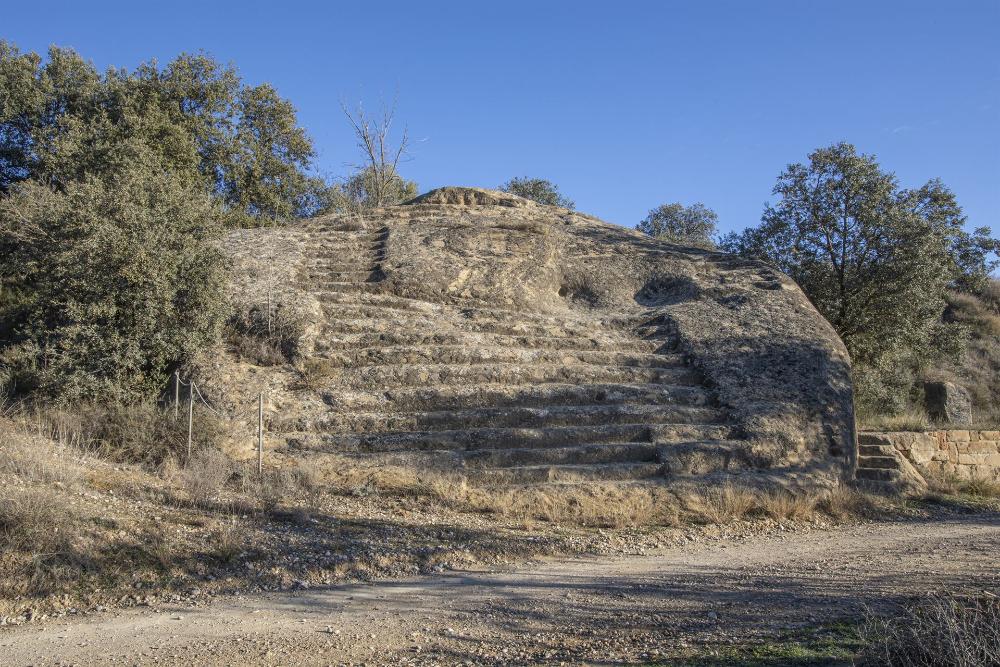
[190, 418]
[177, 394]
[260, 433]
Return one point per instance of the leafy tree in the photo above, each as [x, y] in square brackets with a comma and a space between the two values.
[358, 192]
[538, 190]
[691, 225]
[60, 120]
[875, 260]
[110, 282]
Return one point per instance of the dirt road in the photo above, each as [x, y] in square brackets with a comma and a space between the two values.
[596, 611]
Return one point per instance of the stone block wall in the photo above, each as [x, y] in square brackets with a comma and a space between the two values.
[960, 453]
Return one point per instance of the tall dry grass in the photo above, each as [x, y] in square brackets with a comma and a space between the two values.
[937, 631]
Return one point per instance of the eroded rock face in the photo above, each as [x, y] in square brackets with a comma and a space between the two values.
[532, 343]
[948, 403]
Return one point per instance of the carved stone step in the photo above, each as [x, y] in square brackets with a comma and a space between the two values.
[486, 395]
[522, 417]
[501, 438]
[349, 342]
[570, 473]
[399, 375]
[470, 354]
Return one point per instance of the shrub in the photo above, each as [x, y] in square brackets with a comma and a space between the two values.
[141, 433]
[538, 190]
[692, 225]
[268, 339]
[317, 372]
[124, 280]
[939, 630]
[205, 475]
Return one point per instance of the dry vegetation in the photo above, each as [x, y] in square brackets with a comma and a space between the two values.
[977, 370]
[98, 508]
[941, 629]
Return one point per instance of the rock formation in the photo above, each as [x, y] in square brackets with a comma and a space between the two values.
[480, 332]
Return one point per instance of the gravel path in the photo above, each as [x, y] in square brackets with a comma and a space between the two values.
[584, 611]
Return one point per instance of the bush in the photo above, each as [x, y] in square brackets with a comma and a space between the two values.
[266, 339]
[140, 433]
[205, 475]
[941, 630]
[538, 190]
[692, 225]
[124, 279]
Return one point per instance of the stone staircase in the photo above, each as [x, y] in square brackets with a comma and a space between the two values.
[881, 466]
[499, 395]
[878, 463]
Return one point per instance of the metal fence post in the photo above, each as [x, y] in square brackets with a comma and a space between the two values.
[190, 419]
[177, 394]
[260, 433]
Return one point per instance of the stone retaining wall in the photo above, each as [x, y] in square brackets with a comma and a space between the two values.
[964, 454]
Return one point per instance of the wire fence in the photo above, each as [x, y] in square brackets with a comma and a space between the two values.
[194, 393]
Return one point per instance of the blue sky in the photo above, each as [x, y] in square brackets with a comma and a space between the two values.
[626, 105]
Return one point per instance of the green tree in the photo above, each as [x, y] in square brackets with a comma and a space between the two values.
[538, 190]
[692, 225]
[60, 120]
[875, 260]
[364, 188]
[108, 282]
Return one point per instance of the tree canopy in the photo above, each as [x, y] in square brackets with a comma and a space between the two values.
[875, 259]
[538, 190]
[107, 283]
[61, 119]
[692, 225]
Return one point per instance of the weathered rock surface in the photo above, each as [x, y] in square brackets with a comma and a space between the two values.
[948, 403]
[477, 330]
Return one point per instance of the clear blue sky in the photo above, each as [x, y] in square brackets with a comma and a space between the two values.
[625, 105]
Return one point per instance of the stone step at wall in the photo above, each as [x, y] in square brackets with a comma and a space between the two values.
[878, 462]
[876, 450]
[520, 417]
[569, 473]
[887, 475]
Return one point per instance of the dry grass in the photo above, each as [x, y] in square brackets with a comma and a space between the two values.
[728, 503]
[317, 373]
[39, 532]
[267, 336]
[38, 460]
[941, 629]
[913, 419]
[205, 476]
[951, 485]
[142, 433]
[722, 504]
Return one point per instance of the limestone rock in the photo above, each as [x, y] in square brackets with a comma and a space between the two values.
[948, 403]
[482, 332]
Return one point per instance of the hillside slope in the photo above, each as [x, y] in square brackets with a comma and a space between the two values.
[479, 332]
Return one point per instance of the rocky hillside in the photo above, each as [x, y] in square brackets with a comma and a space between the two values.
[479, 332]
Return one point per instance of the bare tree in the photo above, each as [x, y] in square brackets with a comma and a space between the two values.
[380, 176]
